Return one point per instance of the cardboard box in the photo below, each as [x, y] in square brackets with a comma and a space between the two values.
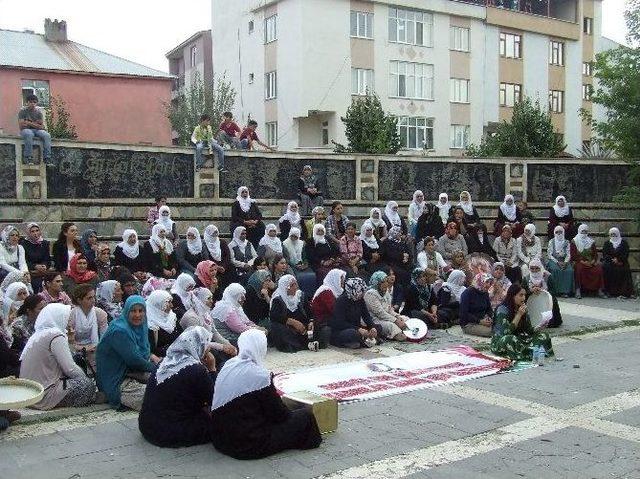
[325, 410]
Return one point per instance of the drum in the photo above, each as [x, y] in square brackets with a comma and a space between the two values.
[539, 308]
[18, 393]
[416, 330]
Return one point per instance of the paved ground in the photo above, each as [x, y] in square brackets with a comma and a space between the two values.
[557, 421]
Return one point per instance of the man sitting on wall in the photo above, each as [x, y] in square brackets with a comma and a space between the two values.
[31, 123]
[229, 131]
[249, 137]
[202, 137]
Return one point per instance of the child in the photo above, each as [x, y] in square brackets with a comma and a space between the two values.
[249, 135]
[203, 136]
[229, 131]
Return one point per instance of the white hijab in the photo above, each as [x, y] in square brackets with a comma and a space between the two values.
[582, 239]
[157, 243]
[53, 317]
[418, 206]
[443, 207]
[618, 241]
[509, 211]
[237, 240]
[376, 222]
[182, 288]
[245, 203]
[230, 303]
[244, 373]
[318, 238]
[272, 242]
[467, 206]
[536, 278]
[561, 211]
[10, 297]
[291, 302]
[370, 241]
[392, 216]
[558, 238]
[130, 251]
[455, 283]
[293, 217]
[198, 301]
[194, 245]
[185, 351]
[332, 282]
[157, 317]
[86, 326]
[294, 247]
[166, 221]
[212, 240]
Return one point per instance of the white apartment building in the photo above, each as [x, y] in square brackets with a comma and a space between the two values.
[448, 69]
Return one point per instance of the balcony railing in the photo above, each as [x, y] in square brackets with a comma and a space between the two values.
[559, 9]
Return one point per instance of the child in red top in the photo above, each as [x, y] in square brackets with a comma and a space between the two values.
[249, 136]
[229, 131]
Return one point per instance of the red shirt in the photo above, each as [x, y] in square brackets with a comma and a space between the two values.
[322, 307]
[250, 134]
[230, 128]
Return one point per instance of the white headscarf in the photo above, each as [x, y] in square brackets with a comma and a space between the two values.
[186, 350]
[237, 240]
[455, 283]
[229, 303]
[244, 373]
[182, 287]
[317, 238]
[558, 238]
[157, 317]
[212, 240]
[536, 278]
[157, 243]
[194, 245]
[294, 248]
[130, 251]
[443, 207]
[166, 221]
[467, 206]
[615, 242]
[418, 206]
[198, 299]
[292, 216]
[5, 238]
[376, 222]
[561, 211]
[53, 317]
[332, 282]
[509, 211]
[272, 242]
[245, 204]
[370, 241]
[530, 231]
[291, 302]
[582, 239]
[10, 297]
[392, 216]
[86, 326]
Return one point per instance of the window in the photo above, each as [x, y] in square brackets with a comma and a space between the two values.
[459, 39]
[510, 94]
[587, 68]
[410, 26]
[556, 53]
[361, 24]
[361, 81]
[510, 45]
[325, 133]
[459, 136]
[39, 88]
[587, 91]
[416, 132]
[251, 26]
[556, 101]
[194, 55]
[272, 133]
[411, 80]
[251, 77]
[587, 25]
[270, 29]
[270, 85]
[459, 90]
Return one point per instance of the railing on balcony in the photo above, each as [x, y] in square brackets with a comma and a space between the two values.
[560, 9]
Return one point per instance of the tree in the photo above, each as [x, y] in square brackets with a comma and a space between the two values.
[213, 98]
[529, 134]
[59, 120]
[369, 129]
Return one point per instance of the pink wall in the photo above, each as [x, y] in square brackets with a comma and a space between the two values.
[103, 109]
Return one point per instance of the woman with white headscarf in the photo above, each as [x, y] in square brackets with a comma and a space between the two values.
[12, 255]
[559, 262]
[243, 254]
[292, 326]
[47, 359]
[540, 280]
[528, 247]
[245, 212]
[561, 214]
[128, 254]
[508, 214]
[229, 316]
[189, 251]
[14, 296]
[294, 253]
[392, 218]
[322, 253]
[109, 298]
[164, 219]
[379, 226]
[588, 271]
[444, 207]
[416, 208]
[270, 245]
[159, 256]
[217, 250]
[249, 420]
[325, 297]
[615, 266]
[290, 219]
[449, 295]
[161, 321]
[471, 216]
[175, 407]
[371, 254]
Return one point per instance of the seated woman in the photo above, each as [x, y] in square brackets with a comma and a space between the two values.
[242, 254]
[109, 298]
[229, 317]
[23, 327]
[279, 268]
[127, 254]
[290, 219]
[175, 408]
[154, 211]
[513, 335]
[336, 222]
[457, 217]
[189, 251]
[12, 255]
[392, 218]
[14, 296]
[66, 246]
[351, 324]
[525, 213]
[245, 213]
[260, 264]
[309, 191]
[323, 255]
[206, 276]
[371, 255]
[123, 353]
[87, 323]
[89, 245]
[382, 313]
[9, 358]
[615, 266]
[429, 258]
[47, 359]
[508, 215]
[248, 418]
[102, 264]
[540, 280]
[292, 325]
[479, 242]
[451, 242]
[258, 297]
[471, 216]
[588, 272]
[379, 226]
[270, 245]
[561, 214]
[79, 273]
[217, 250]
[416, 208]
[475, 307]
[528, 247]
[351, 250]
[170, 226]
[559, 263]
[318, 217]
[293, 250]
[395, 291]
[324, 299]
[180, 291]
[505, 248]
[396, 254]
[38, 255]
[52, 289]
[448, 297]
[159, 257]
[501, 283]
[422, 302]
[161, 321]
[429, 223]
[444, 208]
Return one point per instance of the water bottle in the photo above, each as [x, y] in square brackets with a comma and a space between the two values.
[535, 354]
[541, 355]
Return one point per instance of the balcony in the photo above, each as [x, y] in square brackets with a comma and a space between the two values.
[566, 10]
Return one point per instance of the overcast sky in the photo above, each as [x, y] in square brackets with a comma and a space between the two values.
[145, 30]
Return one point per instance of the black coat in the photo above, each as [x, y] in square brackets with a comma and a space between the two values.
[132, 264]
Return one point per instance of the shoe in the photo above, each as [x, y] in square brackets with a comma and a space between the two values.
[11, 416]
[314, 346]
[4, 423]
[602, 294]
[578, 295]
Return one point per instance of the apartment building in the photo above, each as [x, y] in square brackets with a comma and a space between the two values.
[448, 69]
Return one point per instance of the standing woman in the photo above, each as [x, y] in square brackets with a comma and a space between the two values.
[392, 218]
[293, 249]
[561, 214]
[471, 216]
[159, 257]
[109, 298]
[189, 251]
[217, 250]
[170, 226]
[127, 254]
[242, 254]
[37, 254]
[79, 273]
[52, 292]
[290, 219]
[66, 246]
[161, 322]
[89, 245]
[508, 214]
[615, 265]
[416, 208]
[559, 263]
[12, 254]
[270, 245]
[323, 254]
[245, 213]
[588, 272]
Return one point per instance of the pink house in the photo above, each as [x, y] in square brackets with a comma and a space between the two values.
[110, 99]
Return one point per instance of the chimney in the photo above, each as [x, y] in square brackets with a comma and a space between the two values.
[55, 31]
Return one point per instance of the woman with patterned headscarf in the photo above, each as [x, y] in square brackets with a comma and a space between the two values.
[476, 312]
[351, 323]
[12, 255]
[381, 311]
[38, 254]
[397, 254]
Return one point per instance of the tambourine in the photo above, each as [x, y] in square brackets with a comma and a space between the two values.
[16, 392]
[416, 330]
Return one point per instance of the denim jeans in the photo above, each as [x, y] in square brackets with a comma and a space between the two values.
[225, 138]
[244, 144]
[214, 146]
[27, 136]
